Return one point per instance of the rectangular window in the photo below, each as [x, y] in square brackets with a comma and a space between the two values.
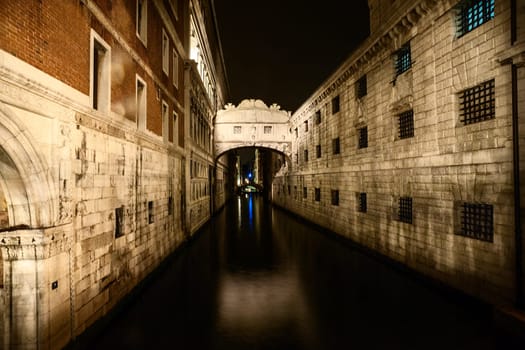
[150, 212]
[297, 158]
[174, 128]
[165, 121]
[141, 104]
[165, 52]
[305, 192]
[305, 155]
[403, 59]
[318, 151]
[141, 20]
[317, 194]
[360, 87]
[306, 126]
[289, 191]
[335, 197]
[100, 67]
[478, 103]
[405, 210]
[296, 133]
[237, 129]
[119, 222]
[363, 137]
[175, 68]
[473, 13]
[170, 205]
[335, 104]
[267, 129]
[336, 146]
[317, 117]
[361, 202]
[406, 124]
[477, 221]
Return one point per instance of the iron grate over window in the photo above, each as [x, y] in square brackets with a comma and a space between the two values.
[360, 87]
[477, 221]
[361, 202]
[406, 124]
[472, 14]
[405, 209]
[403, 59]
[363, 137]
[477, 103]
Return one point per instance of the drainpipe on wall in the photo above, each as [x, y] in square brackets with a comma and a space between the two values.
[520, 302]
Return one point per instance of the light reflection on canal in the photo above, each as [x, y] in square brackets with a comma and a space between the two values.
[256, 278]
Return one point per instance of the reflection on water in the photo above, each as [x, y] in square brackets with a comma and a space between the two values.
[258, 279]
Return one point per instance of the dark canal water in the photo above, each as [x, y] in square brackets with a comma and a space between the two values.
[256, 278]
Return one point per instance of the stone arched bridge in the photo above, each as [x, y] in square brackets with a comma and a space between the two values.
[252, 124]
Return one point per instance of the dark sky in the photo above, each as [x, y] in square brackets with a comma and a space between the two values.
[280, 51]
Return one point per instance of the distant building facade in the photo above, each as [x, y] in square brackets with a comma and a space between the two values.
[410, 148]
[103, 115]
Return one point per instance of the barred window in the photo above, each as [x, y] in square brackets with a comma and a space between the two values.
[477, 221]
[318, 151]
[305, 155]
[150, 212]
[119, 222]
[335, 197]
[317, 117]
[361, 202]
[403, 59]
[363, 137]
[335, 104]
[473, 13]
[406, 124]
[317, 194]
[360, 87]
[305, 192]
[267, 129]
[336, 146]
[237, 129]
[405, 210]
[478, 103]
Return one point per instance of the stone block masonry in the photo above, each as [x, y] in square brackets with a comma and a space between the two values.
[407, 190]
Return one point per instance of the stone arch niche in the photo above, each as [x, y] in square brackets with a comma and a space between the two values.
[26, 183]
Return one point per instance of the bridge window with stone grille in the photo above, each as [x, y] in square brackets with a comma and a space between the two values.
[267, 129]
[406, 124]
[336, 146]
[317, 117]
[317, 194]
[473, 13]
[335, 104]
[477, 103]
[477, 221]
[360, 87]
[361, 202]
[318, 151]
[404, 213]
[403, 60]
[119, 222]
[335, 197]
[237, 129]
[363, 137]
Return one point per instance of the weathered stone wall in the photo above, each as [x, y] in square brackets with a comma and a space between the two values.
[444, 164]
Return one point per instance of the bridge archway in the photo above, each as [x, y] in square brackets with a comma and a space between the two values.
[252, 124]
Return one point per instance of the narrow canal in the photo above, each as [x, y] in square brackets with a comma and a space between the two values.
[257, 278]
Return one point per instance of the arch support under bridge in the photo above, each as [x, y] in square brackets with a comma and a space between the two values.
[252, 124]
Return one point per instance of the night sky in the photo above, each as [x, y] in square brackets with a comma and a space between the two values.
[280, 51]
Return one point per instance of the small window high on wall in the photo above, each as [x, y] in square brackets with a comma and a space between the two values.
[141, 20]
[473, 13]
